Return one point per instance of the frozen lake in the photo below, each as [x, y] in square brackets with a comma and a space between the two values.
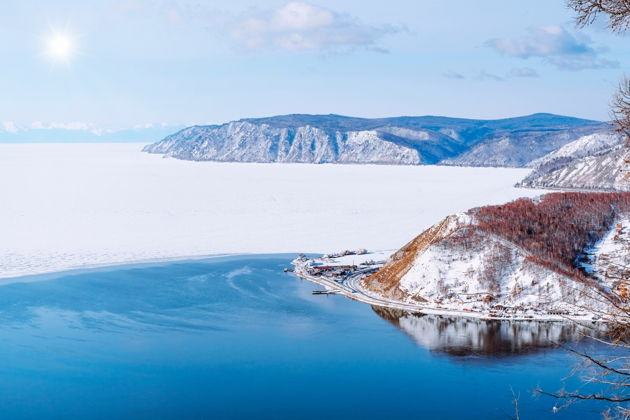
[72, 205]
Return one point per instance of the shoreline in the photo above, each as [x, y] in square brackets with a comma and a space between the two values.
[84, 268]
[568, 189]
[351, 289]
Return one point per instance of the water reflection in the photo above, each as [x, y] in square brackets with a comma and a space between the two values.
[458, 336]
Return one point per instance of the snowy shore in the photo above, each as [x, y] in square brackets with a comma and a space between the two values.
[68, 206]
[349, 284]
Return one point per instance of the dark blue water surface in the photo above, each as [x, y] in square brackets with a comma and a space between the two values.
[235, 337]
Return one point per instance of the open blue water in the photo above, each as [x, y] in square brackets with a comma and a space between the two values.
[235, 337]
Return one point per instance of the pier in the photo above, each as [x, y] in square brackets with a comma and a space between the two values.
[325, 292]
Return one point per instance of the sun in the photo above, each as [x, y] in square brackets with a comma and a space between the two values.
[60, 46]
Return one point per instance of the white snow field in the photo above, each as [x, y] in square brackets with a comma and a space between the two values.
[66, 206]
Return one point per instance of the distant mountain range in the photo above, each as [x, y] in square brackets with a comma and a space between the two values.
[511, 142]
[85, 135]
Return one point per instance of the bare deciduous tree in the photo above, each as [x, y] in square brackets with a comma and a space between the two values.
[618, 12]
[621, 109]
[605, 373]
[609, 372]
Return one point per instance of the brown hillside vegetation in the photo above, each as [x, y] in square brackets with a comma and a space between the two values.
[553, 231]
[557, 228]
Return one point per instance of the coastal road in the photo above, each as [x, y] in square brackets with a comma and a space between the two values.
[351, 289]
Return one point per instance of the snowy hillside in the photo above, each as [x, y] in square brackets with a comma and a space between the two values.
[518, 255]
[516, 149]
[512, 142]
[606, 170]
[243, 141]
[598, 161]
[589, 145]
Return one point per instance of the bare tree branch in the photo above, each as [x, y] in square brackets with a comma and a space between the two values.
[620, 108]
[576, 396]
[612, 372]
[618, 12]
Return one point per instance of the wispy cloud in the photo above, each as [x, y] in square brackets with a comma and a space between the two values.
[453, 75]
[12, 127]
[484, 75]
[556, 46]
[524, 72]
[9, 126]
[543, 41]
[69, 126]
[299, 26]
[145, 126]
[74, 125]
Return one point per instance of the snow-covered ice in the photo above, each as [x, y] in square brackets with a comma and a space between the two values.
[72, 205]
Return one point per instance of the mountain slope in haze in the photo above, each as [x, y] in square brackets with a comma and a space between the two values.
[398, 140]
[85, 135]
[521, 254]
[600, 161]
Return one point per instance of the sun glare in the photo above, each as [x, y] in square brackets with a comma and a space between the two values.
[60, 46]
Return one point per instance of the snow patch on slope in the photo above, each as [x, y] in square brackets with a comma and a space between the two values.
[612, 254]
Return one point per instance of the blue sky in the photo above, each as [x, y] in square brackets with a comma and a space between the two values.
[139, 62]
